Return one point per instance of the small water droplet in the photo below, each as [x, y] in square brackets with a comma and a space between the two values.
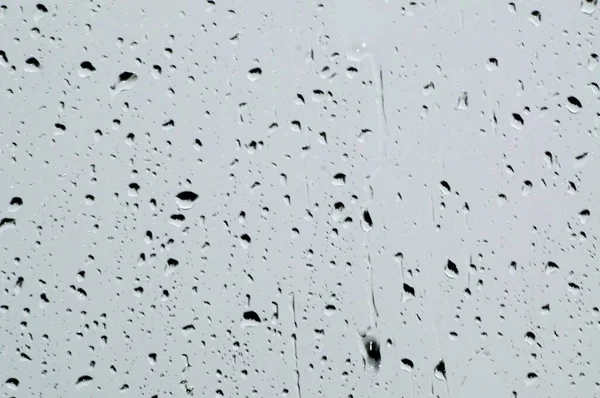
[440, 370]
[86, 69]
[254, 74]
[186, 199]
[517, 121]
[125, 81]
[451, 269]
[574, 105]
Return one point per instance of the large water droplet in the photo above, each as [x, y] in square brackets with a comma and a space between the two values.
[185, 200]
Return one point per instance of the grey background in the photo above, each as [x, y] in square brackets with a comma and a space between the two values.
[405, 99]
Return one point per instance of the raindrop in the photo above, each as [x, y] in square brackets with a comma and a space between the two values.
[245, 240]
[367, 223]
[492, 64]
[15, 204]
[86, 69]
[451, 269]
[517, 121]
[526, 188]
[574, 105]
[254, 74]
[3, 58]
[407, 364]
[530, 337]
[551, 267]
[428, 88]
[463, 101]
[12, 383]
[535, 17]
[83, 380]
[125, 81]
[32, 65]
[133, 189]
[339, 179]
[584, 215]
[593, 61]
[7, 223]
[440, 370]
[372, 351]
[532, 378]
[445, 187]
[337, 211]
[409, 291]
[185, 200]
[588, 6]
[250, 318]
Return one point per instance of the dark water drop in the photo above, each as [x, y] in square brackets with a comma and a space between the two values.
[84, 379]
[31, 61]
[518, 121]
[255, 72]
[573, 104]
[87, 65]
[12, 382]
[445, 187]
[408, 289]
[251, 316]
[551, 267]
[451, 269]
[185, 200]
[339, 179]
[127, 76]
[367, 218]
[125, 81]
[373, 351]
[16, 201]
[407, 364]
[440, 370]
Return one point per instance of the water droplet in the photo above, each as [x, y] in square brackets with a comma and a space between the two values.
[492, 64]
[517, 121]
[125, 81]
[7, 223]
[551, 267]
[573, 105]
[584, 216]
[12, 383]
[463, 101]
[339, 179]
[532, 378]
[367, 221]
[32, 65]
[250, 318]
[185, 200]
[338, 209]
[372, 351]
[407, 364]
[245, 240]
[83, 381]
[526, 188]
[451, 269]
[588, 6]
[254, 74]
[15, 204]
[440, 370]
[445, 187]
[536, 17]
[86, 69]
